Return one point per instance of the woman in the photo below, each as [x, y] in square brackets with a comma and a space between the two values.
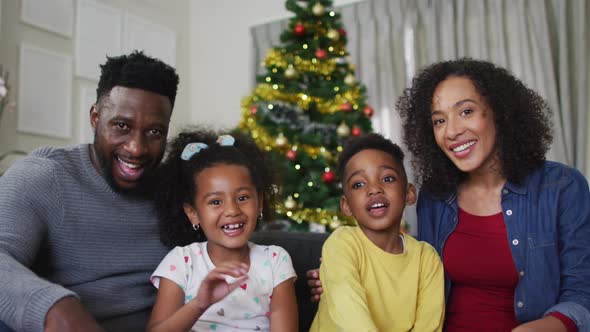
[512, 229]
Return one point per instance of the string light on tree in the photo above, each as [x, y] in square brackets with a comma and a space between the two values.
[253, 110]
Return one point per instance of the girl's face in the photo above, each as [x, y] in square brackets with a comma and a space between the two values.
[463, 125]
[226, 205]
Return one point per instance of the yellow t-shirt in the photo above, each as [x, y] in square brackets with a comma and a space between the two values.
[368, 289]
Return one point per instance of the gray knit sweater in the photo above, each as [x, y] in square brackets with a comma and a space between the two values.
[59, 218]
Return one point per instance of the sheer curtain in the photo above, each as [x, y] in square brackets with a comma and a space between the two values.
[543, 42]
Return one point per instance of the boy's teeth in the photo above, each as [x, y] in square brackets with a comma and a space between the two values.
[463, 147]
[377, 205]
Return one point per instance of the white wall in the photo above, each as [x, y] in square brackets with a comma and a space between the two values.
[221, 49]
[13, 32]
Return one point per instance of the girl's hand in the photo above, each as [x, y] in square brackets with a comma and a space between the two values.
[214, 287]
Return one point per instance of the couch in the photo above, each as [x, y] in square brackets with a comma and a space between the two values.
[305, 250]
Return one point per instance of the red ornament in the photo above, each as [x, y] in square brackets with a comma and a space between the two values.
[346, 107]
[299, 30]
[356, 131]
[253, 110]
[328, 177]
[368, 111]
[291, 154]
[342, 32]
[321, 54]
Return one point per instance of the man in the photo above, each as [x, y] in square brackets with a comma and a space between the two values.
[78, 236]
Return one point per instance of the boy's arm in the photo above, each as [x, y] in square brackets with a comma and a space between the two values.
[344, 294]
[29, 196]
[430, 307]
[283, 308]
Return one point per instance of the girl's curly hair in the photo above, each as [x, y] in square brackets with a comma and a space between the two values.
[177, 187]
[521, 116]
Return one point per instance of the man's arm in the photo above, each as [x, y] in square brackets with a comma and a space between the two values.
[29, 203]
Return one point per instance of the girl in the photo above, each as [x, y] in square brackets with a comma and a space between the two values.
[214, 190]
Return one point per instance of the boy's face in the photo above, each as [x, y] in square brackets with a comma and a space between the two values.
[376, 192]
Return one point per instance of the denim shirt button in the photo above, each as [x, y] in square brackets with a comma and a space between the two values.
[520, 304]
[505, 191]
[515, 242]
[509, 212]
[521, 273]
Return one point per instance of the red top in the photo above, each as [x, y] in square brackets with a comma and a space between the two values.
[479, 263]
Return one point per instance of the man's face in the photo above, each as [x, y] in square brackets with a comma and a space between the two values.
[130, 129]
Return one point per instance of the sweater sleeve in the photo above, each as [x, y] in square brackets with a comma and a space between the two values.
[29, 202]
[344, 293]
[430, 308]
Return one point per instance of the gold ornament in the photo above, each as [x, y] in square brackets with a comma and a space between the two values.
[333, 34]
[318, 9]
[290, 72]
[290, 203]
[281, 140]
[349, 79]
[343, 130]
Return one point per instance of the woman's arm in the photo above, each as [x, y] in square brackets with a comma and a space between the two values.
[545, 324]
[283, 308]
[171, 314]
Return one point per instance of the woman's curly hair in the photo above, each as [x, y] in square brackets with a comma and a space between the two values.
[176, 185]
[521, 116]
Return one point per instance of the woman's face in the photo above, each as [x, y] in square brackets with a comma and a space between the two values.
[463, 125]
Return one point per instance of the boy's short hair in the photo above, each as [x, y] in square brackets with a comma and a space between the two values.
[371, 141]
[139, 71]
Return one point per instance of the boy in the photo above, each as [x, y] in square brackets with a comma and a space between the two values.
[375, 278]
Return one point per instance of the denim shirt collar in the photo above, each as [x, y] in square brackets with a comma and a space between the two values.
[513, 187]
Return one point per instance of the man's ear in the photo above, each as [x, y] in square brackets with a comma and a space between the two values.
[344, 207]
[411, 194]
[93, 117]
[191, 214]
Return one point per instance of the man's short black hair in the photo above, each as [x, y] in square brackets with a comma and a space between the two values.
[371, 141]
[137, 70]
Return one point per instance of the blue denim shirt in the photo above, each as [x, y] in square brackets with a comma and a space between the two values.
[548, 224]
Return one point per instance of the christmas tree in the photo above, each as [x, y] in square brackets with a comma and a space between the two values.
[303, 109]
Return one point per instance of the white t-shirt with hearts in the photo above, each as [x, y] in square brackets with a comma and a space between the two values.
[247, 307]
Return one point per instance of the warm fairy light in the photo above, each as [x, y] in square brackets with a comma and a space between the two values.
[297, 167]
[268, 79]
[310, 184]
[270, 106]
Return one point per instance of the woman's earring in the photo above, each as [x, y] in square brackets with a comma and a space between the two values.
[196, 227]
[260, 216]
